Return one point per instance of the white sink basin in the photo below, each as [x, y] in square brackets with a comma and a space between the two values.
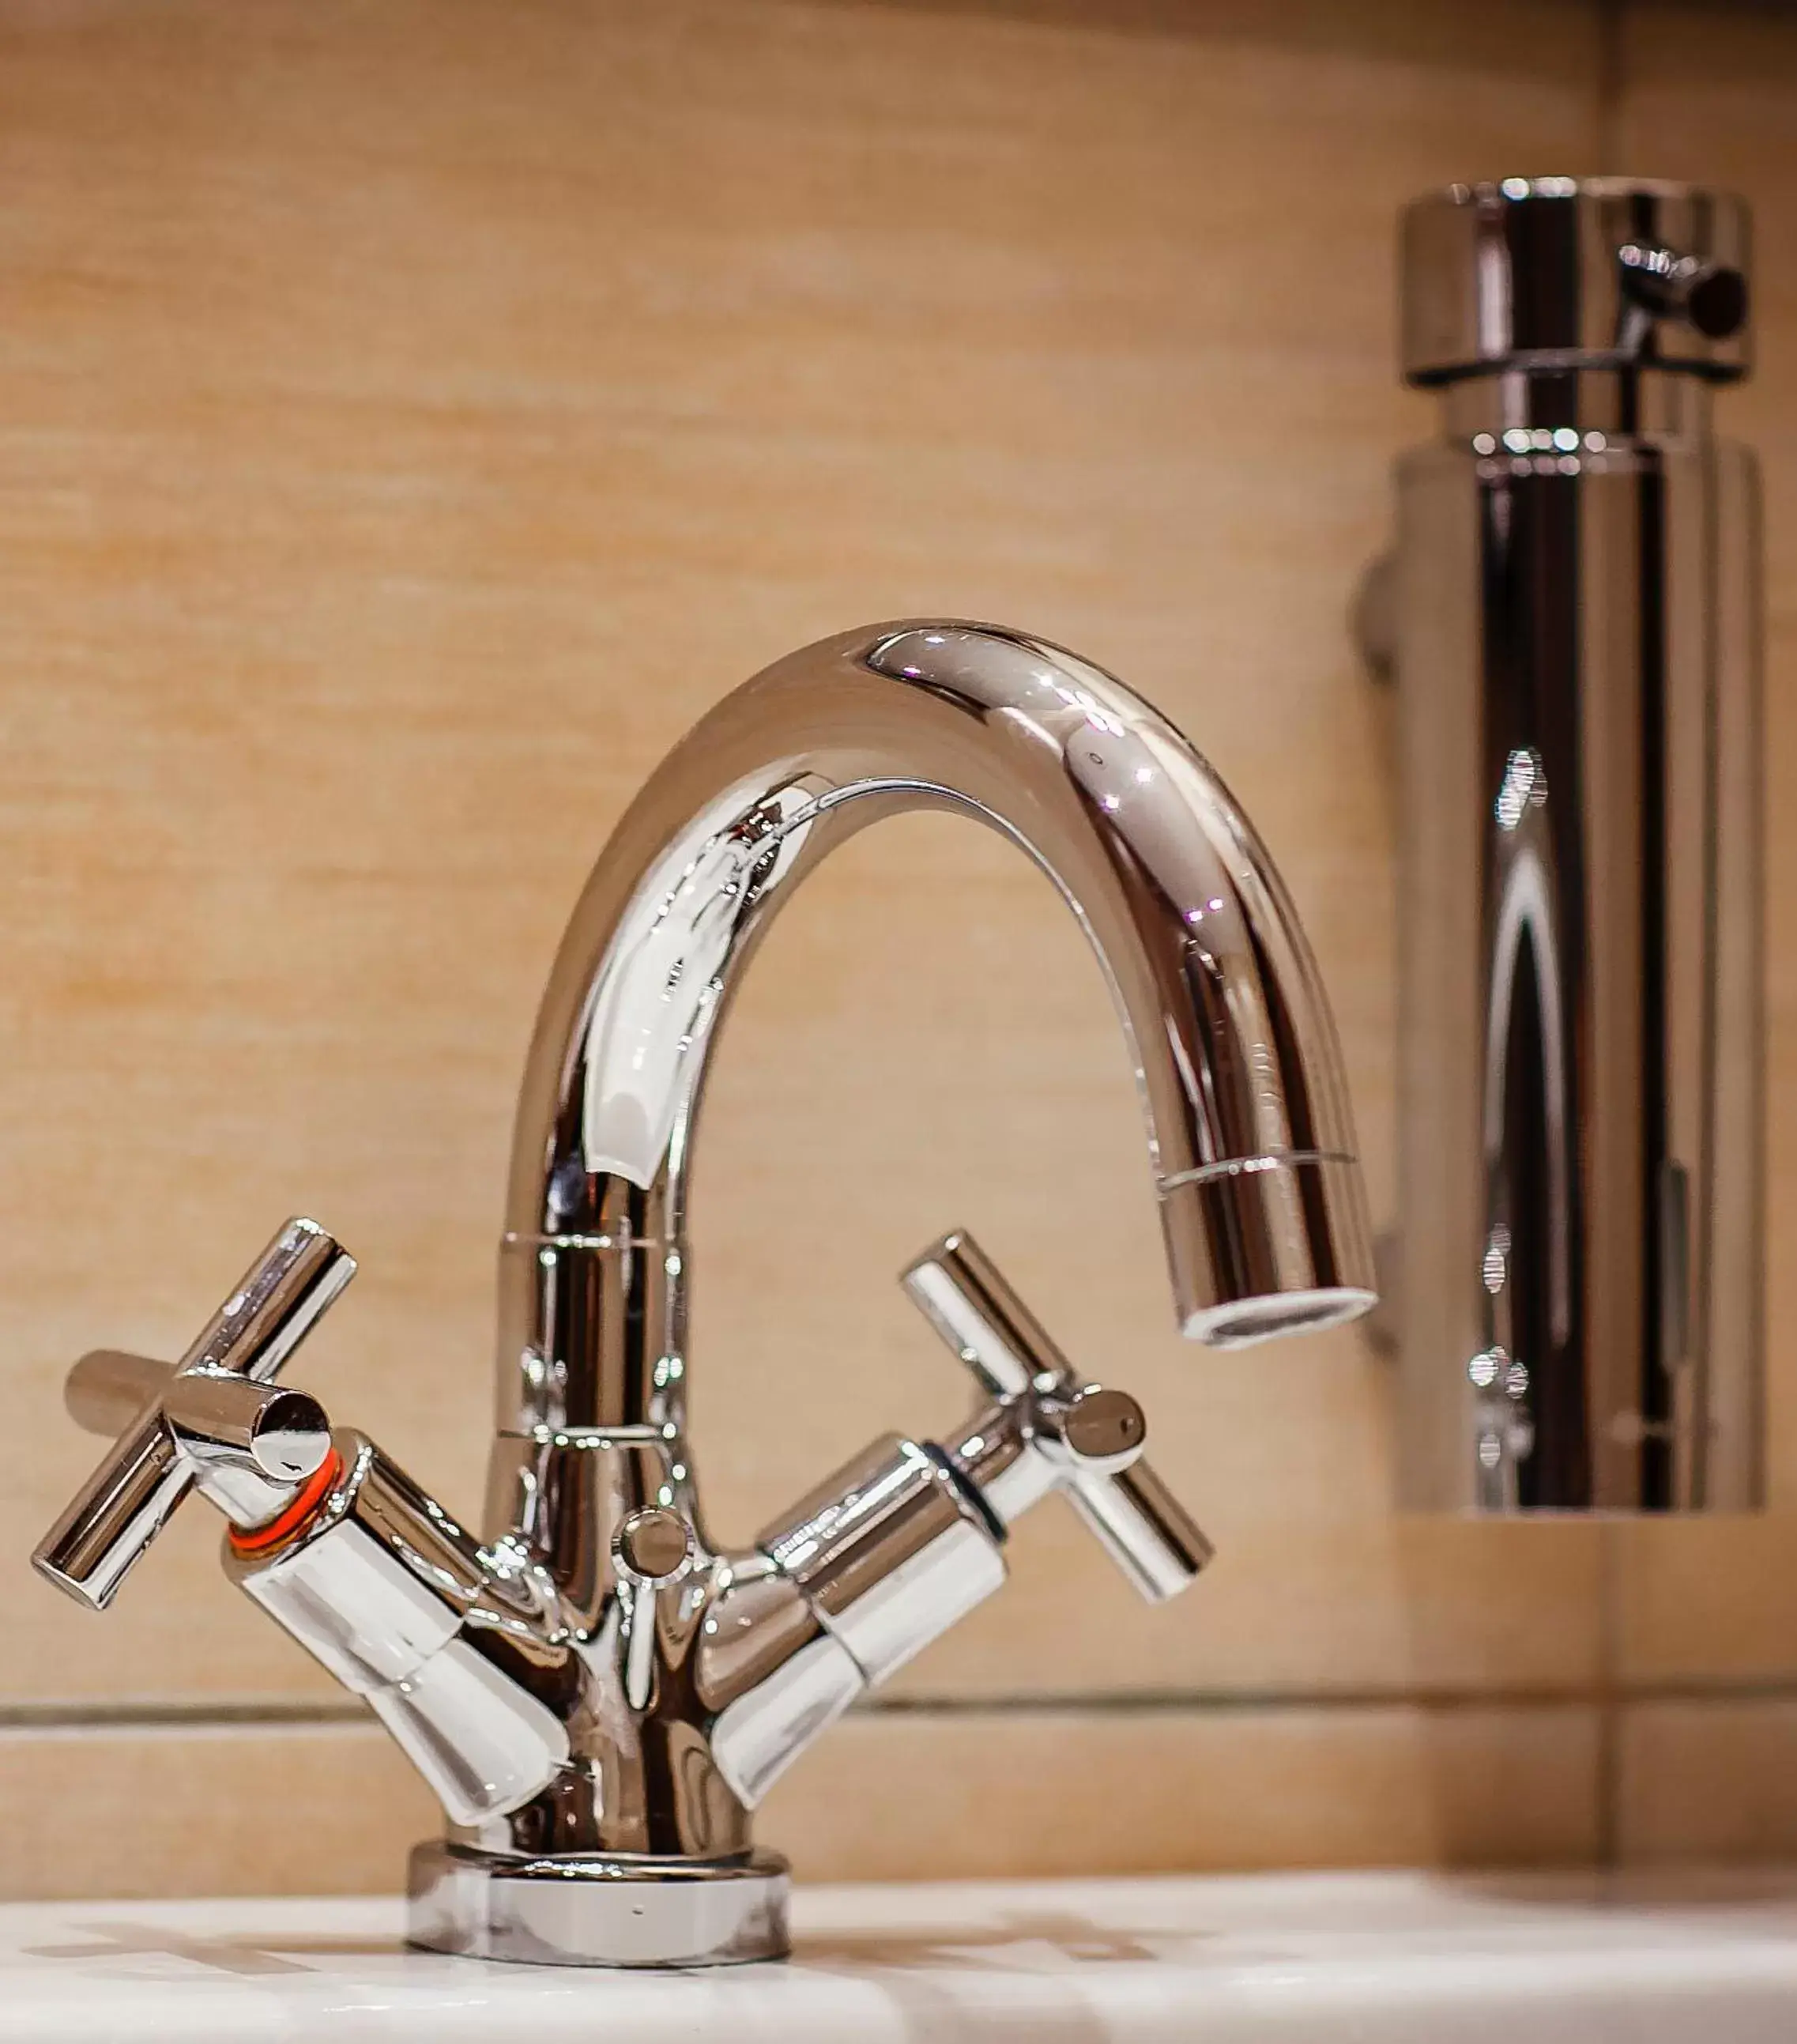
[1392, 1957]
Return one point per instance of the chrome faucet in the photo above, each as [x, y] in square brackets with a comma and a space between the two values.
[599, 1693]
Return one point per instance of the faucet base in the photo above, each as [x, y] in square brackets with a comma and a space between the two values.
[597, 1912]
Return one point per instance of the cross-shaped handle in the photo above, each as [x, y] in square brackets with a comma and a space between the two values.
[1059, 1431]
[207, 1417]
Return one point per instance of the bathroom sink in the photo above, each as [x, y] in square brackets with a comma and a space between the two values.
[1281, 1959]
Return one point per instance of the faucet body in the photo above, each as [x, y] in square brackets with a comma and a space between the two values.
[1578, 631]
[599, 1692]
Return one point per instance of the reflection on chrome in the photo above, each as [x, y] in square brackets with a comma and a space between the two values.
[598, 1692]
[1577, 625]
[1528, 1047]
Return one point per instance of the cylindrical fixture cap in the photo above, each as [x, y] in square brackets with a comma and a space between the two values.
[1570, 273]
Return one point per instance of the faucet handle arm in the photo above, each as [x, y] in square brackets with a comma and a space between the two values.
[969, 1301]
[213, 1417]
[1051, 1428]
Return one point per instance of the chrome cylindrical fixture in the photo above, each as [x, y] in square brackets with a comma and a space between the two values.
[1577, 629]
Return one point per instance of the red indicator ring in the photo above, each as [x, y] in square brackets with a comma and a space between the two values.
[292, 1517]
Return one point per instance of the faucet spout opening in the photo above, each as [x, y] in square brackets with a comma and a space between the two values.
[1251, 1141]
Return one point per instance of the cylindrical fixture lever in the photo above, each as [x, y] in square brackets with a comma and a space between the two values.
[108, 1388]
[1710, 297]
[210, 1412]
[268, 1428]
[1051, 1429]
[1097, 1432]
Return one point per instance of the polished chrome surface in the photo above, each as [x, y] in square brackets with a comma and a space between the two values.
[1251, 1141]
[1577, 626]
[1050, 1429]
[652, 1547]
[271, 1429]
[165, 1449]
[464, 1655]
[214, 1417]
[601, 1913]
[597, 1692]
[108, 1388]
[1561, 274]
[889, 1553]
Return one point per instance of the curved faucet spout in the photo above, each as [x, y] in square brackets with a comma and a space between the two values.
[1250, 1137]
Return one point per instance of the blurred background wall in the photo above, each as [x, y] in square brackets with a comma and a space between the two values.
[414, 415]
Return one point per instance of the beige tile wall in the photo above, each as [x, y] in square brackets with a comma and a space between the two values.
[414, 417]
[1712, 92]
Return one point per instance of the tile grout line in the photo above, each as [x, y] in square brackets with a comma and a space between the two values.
[1607, 1697]
[221, 1716]
[1221, 1703]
